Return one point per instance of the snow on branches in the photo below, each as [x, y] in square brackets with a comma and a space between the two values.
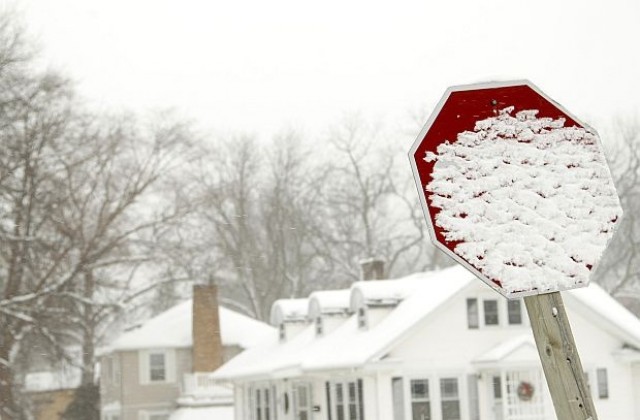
[527, 201]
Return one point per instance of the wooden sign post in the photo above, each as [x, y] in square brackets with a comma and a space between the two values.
[518, 191]
[559, 357]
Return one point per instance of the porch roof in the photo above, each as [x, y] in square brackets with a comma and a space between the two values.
[519, 350]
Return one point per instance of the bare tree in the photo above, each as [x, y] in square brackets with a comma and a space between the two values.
[619, 271]
[371, 208]
[257, 209]
[80, 212]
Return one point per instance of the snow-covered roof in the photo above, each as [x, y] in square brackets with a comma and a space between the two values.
[348, 346]
[518, 349]
[294, 310]
[604, 310]
[328, 302]
[383, 291]
[173, 329]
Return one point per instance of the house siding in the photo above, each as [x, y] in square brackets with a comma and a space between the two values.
[635, 372]
[455, 346]
[442, 346]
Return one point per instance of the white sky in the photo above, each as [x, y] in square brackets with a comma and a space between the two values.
[258, 66]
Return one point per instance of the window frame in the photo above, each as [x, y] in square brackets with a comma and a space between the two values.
[448, 399]
[162, 370]
[262, 402]
[145, 369]
[473, 316]
[341, 408]
[484, 312]
[602, 383]
[428, 399]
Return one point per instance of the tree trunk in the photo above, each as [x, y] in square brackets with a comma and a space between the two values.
[8, 406]
[88, 336]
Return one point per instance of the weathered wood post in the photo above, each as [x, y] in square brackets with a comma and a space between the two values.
[559, 357]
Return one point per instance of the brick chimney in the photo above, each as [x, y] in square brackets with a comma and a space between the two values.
[207, 341]
[372, 269]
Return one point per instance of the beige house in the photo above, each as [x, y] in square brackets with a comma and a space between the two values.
[151, 371]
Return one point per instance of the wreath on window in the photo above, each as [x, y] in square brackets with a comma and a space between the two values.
[525, 391]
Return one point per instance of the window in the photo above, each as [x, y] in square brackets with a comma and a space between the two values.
[472, 313]
[258, 404]
[603, 383]
[282, 332]
[362, 318]
[261, 404]
[490, 312]
[266, 402]
[450, 398]
[319, 326]
[157, 367]
[347, 397]
[514, 310]
[339, 402]
[420, 402]
[497, 387]
[353, 401]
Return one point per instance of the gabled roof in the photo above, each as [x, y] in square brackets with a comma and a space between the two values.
[418, 297]
[289, 310]
[604, 310]
[328, 302]
[173, 329]
[348, 346]
[519, 349]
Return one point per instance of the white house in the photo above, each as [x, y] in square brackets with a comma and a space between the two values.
[432, 346]
[159, 370]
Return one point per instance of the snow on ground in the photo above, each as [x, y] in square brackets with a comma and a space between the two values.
[531, 201]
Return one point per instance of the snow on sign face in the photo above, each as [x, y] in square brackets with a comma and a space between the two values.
[515, 189]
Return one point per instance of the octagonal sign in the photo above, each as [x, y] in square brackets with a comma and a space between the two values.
[515, 188]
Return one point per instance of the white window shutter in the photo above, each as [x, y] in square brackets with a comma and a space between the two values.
[143, 368]
[170, 365]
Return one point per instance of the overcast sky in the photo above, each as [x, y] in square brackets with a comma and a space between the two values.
[258, 66]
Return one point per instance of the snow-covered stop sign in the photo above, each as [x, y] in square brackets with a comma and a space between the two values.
[515, 188]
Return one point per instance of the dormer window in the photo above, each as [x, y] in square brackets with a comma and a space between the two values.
[319, 326]
[362, 318]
